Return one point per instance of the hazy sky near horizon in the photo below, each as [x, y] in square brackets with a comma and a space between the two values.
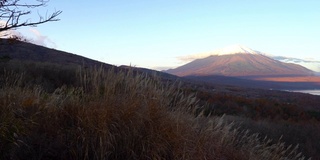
[155, 33]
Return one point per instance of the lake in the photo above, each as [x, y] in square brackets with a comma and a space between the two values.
[314, 92]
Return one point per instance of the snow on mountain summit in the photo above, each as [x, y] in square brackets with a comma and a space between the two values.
[229, 50]
[234, 49]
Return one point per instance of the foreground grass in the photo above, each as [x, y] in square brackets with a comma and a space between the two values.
[119, 115]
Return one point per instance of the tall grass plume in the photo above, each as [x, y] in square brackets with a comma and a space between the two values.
[114, 114]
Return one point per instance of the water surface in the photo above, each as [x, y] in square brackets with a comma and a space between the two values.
[313, 92]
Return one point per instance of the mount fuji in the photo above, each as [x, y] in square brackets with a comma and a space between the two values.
[239, 61]
[234, 49]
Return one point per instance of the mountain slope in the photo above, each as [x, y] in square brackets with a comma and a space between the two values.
[240, 65]
[20, 54]
[19, 50]
[239, 62]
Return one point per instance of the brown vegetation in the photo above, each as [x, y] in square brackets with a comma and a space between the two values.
[117, 115]
[275, 117]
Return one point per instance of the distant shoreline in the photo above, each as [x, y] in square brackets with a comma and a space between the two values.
[313, 92]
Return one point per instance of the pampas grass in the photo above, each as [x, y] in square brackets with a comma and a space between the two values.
[120, 115]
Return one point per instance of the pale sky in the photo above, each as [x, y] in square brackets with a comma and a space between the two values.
[155, 33]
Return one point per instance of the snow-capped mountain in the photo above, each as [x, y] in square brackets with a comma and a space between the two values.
[238, 61]
[233, 49]
[240, 49]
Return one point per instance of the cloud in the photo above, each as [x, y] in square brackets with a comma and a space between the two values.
[32, 36]
[39, 39]
[162, 68]
[192, 57]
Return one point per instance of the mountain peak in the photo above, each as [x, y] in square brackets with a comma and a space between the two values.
[234, 49]
[241, 61]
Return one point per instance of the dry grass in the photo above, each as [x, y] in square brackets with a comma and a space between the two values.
[119, 115]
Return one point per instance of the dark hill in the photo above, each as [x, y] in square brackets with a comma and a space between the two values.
[18, 50]
[53, 68]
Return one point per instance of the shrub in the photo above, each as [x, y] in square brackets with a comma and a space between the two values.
[120, 115]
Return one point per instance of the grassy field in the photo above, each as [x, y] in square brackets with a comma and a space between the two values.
[109, 114]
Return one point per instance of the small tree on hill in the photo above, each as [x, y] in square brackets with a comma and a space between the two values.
[13, 14]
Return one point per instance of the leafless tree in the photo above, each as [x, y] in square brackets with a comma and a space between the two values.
[13, 13]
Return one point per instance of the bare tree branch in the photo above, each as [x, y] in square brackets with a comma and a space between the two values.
[13, 13]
